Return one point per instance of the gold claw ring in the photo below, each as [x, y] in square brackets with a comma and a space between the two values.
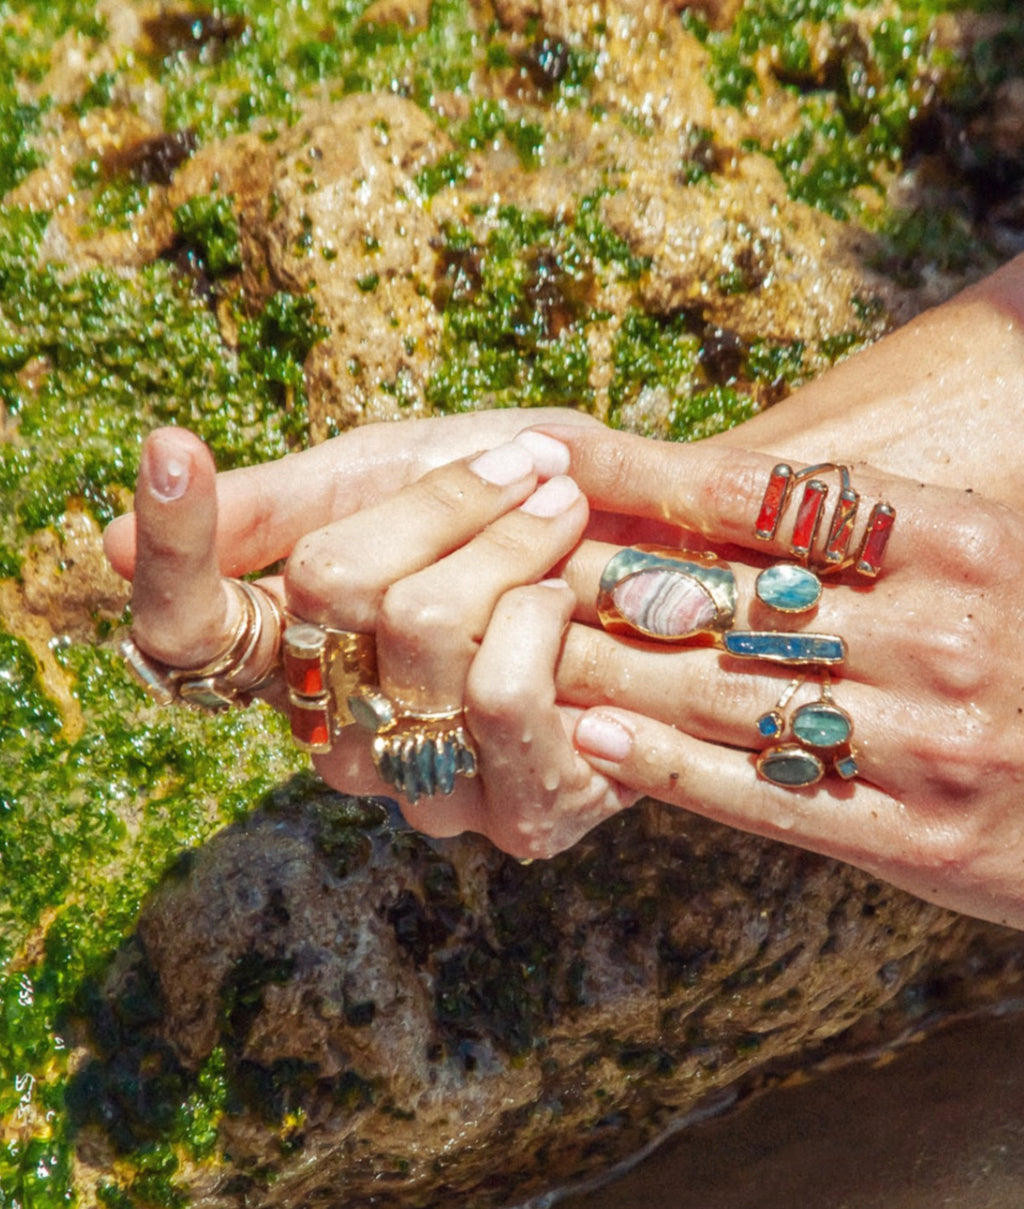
[322, 668]
[229, 679]
[419, 753]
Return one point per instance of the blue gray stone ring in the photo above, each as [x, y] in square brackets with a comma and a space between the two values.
[420, 754]
[666, 595]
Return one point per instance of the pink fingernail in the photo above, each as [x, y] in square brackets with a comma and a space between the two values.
[556, 496]
[604, 737]
[550, 457]
[503, 465]
[169, 468]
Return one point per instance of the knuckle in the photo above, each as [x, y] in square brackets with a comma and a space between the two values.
[507, 539]
[443, 493]
[618, 468]
[955, 658]
[409, 610]
[500, 711]
[319, 575]
[959, 762]
[736, 484]
[979, 541]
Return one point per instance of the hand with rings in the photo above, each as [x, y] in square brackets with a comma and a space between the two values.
[417, 614]
[861, 691]
[897, 751]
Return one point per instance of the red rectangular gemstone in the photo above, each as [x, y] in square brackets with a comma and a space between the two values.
[303, 673]
[310, 724]
[876, 538]
[774, 501]
[839, 534]
[808, 517]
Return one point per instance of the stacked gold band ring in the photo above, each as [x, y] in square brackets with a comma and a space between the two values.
[229, 679]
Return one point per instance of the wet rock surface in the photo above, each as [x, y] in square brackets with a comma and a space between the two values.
[400, 1021]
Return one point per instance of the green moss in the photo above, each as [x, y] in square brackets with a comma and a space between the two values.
[449, 170]
[207, 223]
[860, 100]
[649, 353]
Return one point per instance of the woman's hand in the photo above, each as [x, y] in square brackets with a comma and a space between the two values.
[262, 511]
[450, 574]
[933, 680]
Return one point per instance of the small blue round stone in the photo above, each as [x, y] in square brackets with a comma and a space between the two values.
[788, 588]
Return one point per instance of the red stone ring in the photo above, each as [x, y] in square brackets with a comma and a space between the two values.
[322, 669]
[835, 554]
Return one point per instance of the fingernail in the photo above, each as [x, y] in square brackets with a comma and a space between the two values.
[553, 498]
[558, 584]
[169, 468]
[503, 465]
[604, 737]
[550, 457]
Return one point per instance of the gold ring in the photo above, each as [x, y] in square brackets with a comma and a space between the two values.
[421, 760]
[420, 753]
[834, 552]
[666, 595]
[819, 732]
[323, 667]
[226, 680]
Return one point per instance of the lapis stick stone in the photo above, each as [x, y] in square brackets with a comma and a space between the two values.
[775, 647]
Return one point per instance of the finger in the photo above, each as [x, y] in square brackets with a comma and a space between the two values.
[338, 575]
[541, 797]
[181, 614]
[719, 492]
[852, 822]
[265, 509]
[432, 622]
[715, 699]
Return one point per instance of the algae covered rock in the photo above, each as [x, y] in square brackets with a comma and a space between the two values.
[396, 1021]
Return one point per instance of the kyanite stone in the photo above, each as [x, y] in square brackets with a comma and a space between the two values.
[770, 725]
[780, 647]
[847, 767]
[789, 588]
[821, 725]
[667, 604]
[790, 767]
[446, 765]
[426, 772]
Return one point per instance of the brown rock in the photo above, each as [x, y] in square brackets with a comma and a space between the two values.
[410, 1023]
